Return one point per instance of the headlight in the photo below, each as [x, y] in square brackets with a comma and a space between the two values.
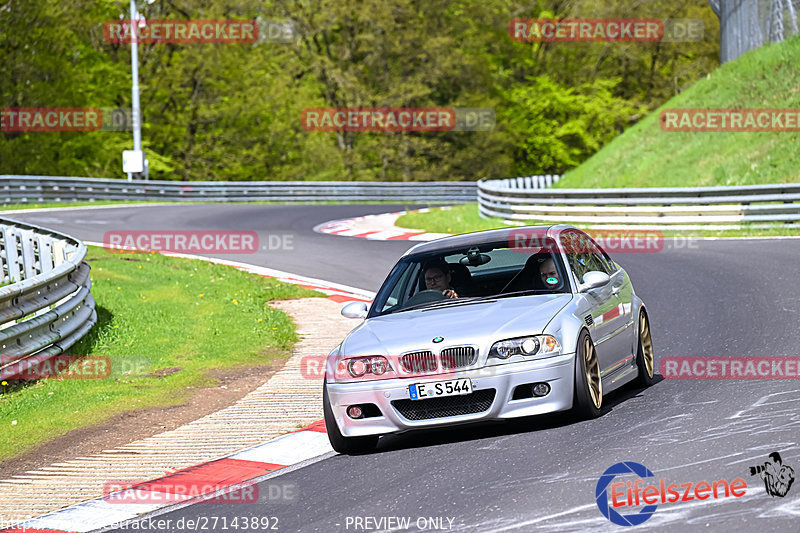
[379, 366]
[526, 346]
[357, 367]
[360, 366]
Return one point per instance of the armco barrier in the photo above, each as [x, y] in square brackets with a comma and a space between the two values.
[45, 301]
[33, 189]
[677, 207]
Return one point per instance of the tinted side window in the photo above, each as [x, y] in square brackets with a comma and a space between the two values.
[604, 257]
[583, 255]
[611, 265]
[599, 257]
[402, 288]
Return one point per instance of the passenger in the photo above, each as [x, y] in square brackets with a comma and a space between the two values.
[438, 278]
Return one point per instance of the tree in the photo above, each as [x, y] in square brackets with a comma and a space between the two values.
[232, 111]
[741, 24]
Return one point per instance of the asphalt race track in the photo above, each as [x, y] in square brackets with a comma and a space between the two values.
[734, 297]
[311, 254]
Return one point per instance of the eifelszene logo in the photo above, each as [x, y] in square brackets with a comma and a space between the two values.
[633, 494]
[778, 477]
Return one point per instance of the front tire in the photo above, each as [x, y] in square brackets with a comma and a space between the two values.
[340, 443]
[645, 360]
[588, 400]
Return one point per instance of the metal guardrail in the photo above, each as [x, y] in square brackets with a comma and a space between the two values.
[32, 189]
[45, 301]
[527, 182]
[677, 207]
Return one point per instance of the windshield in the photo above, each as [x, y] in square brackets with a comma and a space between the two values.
[461, 275]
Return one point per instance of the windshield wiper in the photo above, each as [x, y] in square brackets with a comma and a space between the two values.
[519, 293]
[472, 299]
[441, 303]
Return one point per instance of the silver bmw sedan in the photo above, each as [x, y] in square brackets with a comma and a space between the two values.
[488, 325]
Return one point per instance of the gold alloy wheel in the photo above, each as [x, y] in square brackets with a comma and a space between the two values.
[592, 372]
[647, 344]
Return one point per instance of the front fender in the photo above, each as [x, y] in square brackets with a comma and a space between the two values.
[567, 327]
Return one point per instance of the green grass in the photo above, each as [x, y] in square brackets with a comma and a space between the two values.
[455, 219]
[646, 156]
[165, 321]
[465, 218]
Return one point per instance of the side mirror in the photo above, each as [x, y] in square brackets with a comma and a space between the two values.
[593, 280]
[356, 310]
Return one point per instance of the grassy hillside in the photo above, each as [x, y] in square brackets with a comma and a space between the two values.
[646, 156]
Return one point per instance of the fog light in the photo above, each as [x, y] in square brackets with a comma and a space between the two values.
[541, 389]
[355, 411]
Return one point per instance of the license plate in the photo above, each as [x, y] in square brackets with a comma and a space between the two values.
[437, 389]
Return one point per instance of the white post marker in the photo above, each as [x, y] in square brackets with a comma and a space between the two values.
[132, 162]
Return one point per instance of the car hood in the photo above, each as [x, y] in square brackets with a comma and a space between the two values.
[480, 323]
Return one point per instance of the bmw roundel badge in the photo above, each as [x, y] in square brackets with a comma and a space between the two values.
[438, 339]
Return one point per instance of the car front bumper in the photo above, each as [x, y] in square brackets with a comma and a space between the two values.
[557, 371]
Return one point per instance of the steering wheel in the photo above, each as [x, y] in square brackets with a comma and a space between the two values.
[424, 297]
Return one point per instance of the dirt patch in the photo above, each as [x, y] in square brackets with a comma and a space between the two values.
[232, 385]
[164, 372]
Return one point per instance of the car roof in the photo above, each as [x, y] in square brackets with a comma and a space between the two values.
[480, 237]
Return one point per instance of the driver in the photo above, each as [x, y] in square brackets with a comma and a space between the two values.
[547, 270]
[437, 278]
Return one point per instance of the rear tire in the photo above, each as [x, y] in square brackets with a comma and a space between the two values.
[645, 360]
[588, 402]
[340, 443]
